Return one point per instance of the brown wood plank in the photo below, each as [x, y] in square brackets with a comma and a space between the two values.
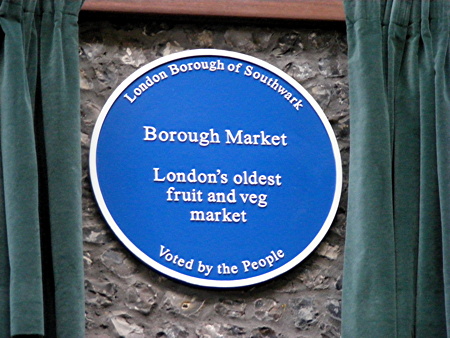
[332, 10]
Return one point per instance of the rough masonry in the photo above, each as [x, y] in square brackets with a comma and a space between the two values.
[125, 298]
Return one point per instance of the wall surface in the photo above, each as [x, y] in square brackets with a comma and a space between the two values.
[125, 298]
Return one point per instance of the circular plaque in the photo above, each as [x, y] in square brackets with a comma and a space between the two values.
[215, 168]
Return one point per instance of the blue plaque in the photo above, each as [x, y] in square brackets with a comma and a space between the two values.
[215, 168]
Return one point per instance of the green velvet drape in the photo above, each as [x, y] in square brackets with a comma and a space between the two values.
[397, 255]
[41, 272]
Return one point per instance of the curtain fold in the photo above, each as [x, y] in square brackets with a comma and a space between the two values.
[41, 272]
[396, 270]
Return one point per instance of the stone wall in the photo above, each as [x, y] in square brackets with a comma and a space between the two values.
[125, 298]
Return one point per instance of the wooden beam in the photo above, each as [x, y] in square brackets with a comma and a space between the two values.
[330, 10]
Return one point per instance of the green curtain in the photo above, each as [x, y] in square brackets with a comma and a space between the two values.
[41, 271]
[397, 254]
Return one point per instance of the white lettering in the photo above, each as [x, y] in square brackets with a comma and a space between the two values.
[266, 262]
[145, 85]
[255, 139]
[203, 139]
